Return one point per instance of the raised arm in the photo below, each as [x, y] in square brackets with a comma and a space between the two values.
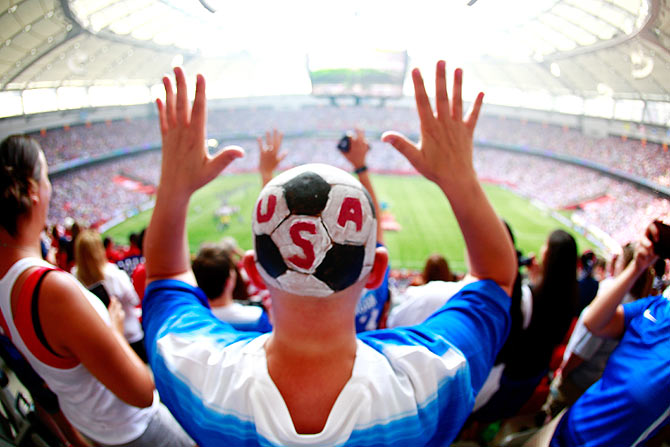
[186, 167]
[604, 317]
[444, 156]
[269, 156]
[357, 156]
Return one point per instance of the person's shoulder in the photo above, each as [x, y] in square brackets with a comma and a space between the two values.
[660, 304]
[64, 290]
[60, 282]
[114, 270]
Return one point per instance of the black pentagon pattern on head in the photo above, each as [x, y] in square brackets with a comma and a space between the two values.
[341, 266]
[306, 194]
[269, 256]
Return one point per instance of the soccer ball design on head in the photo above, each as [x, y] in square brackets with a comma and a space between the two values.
[315, 231]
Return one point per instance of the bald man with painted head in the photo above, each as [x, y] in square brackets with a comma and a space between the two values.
[312, 380]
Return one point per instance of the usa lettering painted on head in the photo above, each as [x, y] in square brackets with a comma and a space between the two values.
[308, 257]
[351, 210]
[262, 217]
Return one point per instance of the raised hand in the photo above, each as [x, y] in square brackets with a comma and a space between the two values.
[270, 157]
[444, 153]
[358, 149]
[644, 249]
[187, 164]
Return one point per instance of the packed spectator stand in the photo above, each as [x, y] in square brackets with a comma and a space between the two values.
[621, 209]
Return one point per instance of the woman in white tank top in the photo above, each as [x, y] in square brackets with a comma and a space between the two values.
[64, 331]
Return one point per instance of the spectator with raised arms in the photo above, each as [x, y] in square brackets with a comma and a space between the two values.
[312, 380]
[630, 404]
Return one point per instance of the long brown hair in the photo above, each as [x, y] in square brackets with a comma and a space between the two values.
[89, 254]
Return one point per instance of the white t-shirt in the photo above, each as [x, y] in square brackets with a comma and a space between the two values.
[118, 284]
[236, 313]
[421, 301]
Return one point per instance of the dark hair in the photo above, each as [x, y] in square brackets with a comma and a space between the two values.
[516, 316]
[106, 242]
[557, 291]
[554, 305]
[436, 269]
[140, 240]
[588, 261]
[20, 165]
[211, 268]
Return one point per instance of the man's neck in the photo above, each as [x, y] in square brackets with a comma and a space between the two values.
[311, 354]
[313, 327]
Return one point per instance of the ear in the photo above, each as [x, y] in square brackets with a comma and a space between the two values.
[378, 268]
[231, 281]
[33, 191]
[249, 263]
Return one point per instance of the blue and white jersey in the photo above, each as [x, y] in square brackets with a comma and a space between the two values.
[371, 305]
[631, 401]
[409, 386]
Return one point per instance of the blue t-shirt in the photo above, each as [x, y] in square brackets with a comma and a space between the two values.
[409, 386]
[371, 305]
[631, 401]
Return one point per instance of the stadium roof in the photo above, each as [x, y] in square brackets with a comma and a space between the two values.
[565, 55]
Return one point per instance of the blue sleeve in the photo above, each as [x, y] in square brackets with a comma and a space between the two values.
[171, 306]
[476, 321]
[632, 310]
[182, 337]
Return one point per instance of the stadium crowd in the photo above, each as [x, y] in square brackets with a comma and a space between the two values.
[93, 139]
[91, 194]
[618, 208]
[646, 160]
[278, 346]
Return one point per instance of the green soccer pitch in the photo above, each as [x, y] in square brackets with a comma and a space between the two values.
[428, 224]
